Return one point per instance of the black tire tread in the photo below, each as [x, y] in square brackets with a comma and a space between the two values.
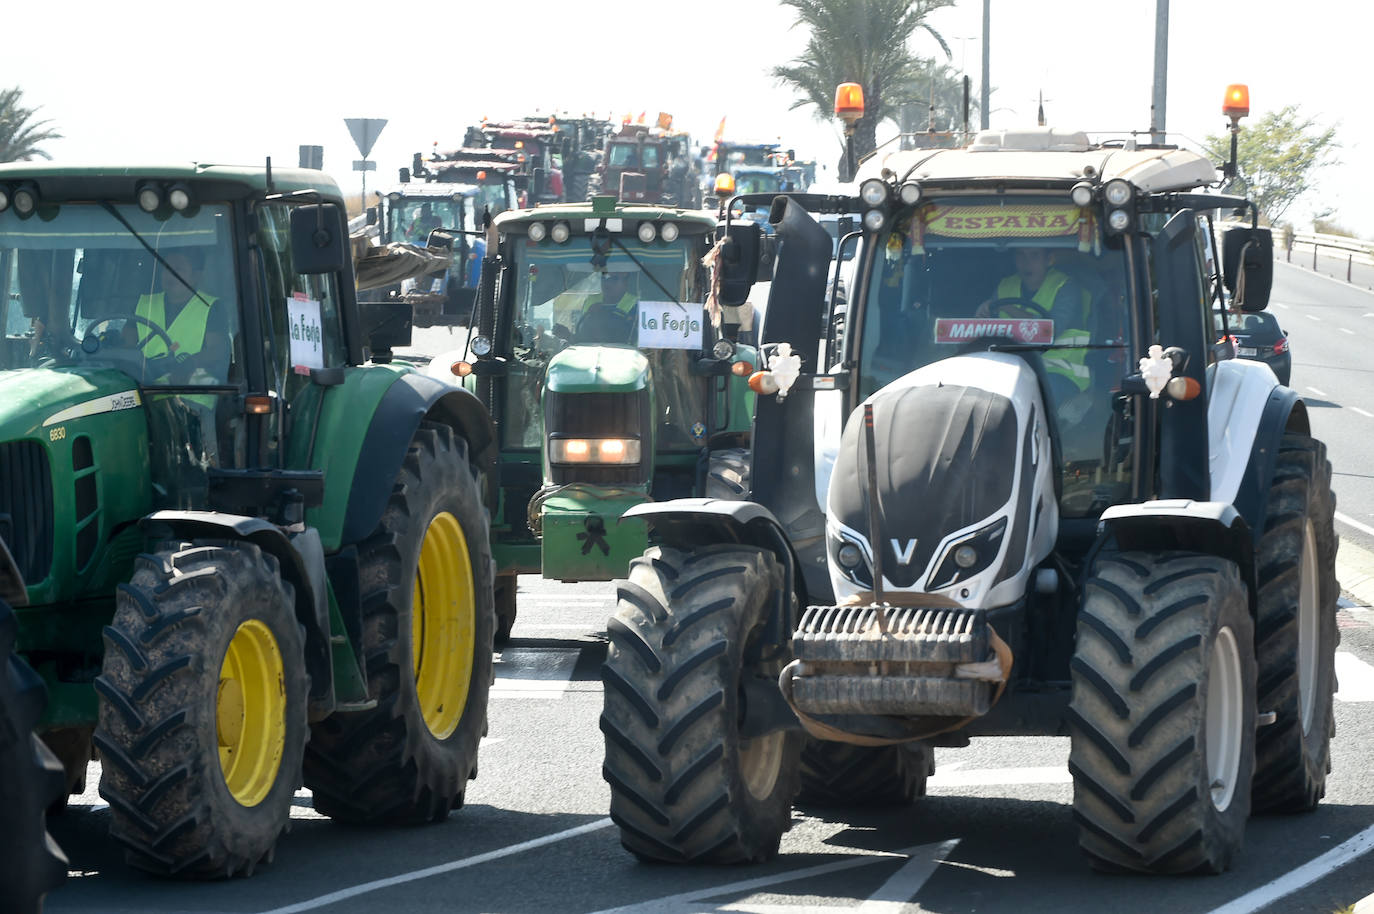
[840, 774]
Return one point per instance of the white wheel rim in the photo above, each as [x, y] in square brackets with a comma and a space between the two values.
[1308, 637]
[1225, 724]
[760, 762]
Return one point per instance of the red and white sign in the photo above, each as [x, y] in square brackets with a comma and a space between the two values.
[961, 330]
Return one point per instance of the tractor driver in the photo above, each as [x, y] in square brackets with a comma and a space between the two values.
[609, 317]
[189, 318]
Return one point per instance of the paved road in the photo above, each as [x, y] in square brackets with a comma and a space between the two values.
[995, 834]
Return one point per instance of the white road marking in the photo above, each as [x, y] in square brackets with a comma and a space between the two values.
[1351, 522]
[1347, 330]
[1304, 875]
[1312, 317]
[1368, 314]
[688, 902]
[1356, 678]
[901, 888]
[1367, 415]
[534, 672]
[1274, 304]
[439, 870]
[992, 777]
[1320, 393]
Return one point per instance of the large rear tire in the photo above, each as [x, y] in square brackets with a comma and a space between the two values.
[1162, 720]
[202, 710]
[427, 643]
[728, 474]
[507, 586]
[684, 786]
[31, 778]
[1296, 633]
[840, 774]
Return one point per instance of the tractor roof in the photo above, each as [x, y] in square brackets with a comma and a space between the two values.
[433, 190]
[1054, 158]
[579, 211]
[251, 177]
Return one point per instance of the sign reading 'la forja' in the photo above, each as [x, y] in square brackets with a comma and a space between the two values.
[668, 325]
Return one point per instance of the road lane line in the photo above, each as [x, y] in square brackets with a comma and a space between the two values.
[1312, 317]
[995, 777]
[1320, 393]
[1356, 678]
[1347, 330]
[1304, 875]
[1367, 415]
[1351, 522]
[900, 890]
[452, 866]
[687, 901]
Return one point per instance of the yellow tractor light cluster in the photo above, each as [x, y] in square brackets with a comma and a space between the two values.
[594, 450]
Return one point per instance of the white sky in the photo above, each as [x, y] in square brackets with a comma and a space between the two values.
[165, 80]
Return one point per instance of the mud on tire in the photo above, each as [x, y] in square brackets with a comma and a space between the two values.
[408, 760]
[1295, 632]
[840, 774]
[684, 786]
[31, 779]
[198, 773]
[1162, 715]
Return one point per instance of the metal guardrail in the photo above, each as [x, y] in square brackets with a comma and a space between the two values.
[1352, 249]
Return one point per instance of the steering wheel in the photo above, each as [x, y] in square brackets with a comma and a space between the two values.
[138, 319]
[1018, 301]
[603, 323]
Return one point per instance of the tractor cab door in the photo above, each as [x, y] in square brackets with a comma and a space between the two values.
[303, 339]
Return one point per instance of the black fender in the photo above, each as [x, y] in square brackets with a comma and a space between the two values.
[1208, 527]
[301, 559]
[413, 398]
[689, 523]
[1283, 412]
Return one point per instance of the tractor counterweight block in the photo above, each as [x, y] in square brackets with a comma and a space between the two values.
[914, 634]
[907, 696]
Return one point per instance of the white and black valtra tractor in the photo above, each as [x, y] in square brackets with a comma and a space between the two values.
[1019, 486]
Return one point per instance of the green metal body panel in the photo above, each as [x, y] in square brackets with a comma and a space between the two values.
[252, 178]
[597, 369]
[349, 683]
[585, 537]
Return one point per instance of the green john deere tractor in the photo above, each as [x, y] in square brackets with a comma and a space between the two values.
[248, 557]
[608, 381]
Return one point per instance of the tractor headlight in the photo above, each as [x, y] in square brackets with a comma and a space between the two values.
[594, 450]
[873, 192]
[967, 557]
[646, 232]
[149, 198]
[849, 556]
[1118, 219]
[909, 193]
[537, 232]
[723, 349]
[669, 232]
[1082, 194]
[25, 200]
[874, 219]
[481, 346]
[4, 200]
[560, 232]
[179, 197]
[1117, 192]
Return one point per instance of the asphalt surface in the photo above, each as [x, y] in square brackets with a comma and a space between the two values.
[995, 834]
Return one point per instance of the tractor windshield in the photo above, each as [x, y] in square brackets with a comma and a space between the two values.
[83, 285]
[1029, 275]
[758, 182]
[411, 219]
[650, 296]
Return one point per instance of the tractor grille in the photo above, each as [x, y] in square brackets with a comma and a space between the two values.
[26, 513]
[600, 415]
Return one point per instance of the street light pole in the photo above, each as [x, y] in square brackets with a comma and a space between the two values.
[1157, 133]
[984, 91]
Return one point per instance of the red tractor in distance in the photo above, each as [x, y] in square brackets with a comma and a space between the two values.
[648, 165]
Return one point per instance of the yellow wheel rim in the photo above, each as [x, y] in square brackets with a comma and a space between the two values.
[250, 713]
[443, 625]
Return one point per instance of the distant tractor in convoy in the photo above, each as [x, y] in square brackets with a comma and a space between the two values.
[644, 165]
[1022, 491]
[610, 384]
[240, 555]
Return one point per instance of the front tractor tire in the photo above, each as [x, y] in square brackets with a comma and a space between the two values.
[427, 633]
[684, 786]
[1162, 719]
[1296, 633]
[202, 720]
[31, 779]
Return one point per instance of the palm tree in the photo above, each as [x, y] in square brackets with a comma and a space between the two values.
[862, 41]
[20, 136]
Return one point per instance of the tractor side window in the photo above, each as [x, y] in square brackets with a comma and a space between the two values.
[302, 307]
[649, 157]
[622, 156]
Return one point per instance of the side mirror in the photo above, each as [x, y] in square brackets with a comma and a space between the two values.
[372, 215]
[404, 175]
[739, 262]
[318, 239]
[1247, 258]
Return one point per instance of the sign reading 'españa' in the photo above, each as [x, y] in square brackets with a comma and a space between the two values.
[1001, 221]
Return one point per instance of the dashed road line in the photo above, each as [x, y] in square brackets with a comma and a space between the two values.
[1362, 412]
[1356, 678]
[440, 869]
[1346, 330]
[1350, 521]
[1320, 393]
[1312, 317]
[1304, 875]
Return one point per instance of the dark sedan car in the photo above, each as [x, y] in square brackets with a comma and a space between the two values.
[1259, 336]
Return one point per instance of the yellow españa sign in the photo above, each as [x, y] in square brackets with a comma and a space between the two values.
[1000, 221]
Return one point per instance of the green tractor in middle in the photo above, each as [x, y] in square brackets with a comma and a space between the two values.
[609, 380]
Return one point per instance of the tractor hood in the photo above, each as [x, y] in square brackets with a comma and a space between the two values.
[32, 398]
[598, 369]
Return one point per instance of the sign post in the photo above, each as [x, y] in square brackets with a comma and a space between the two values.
[364, 131]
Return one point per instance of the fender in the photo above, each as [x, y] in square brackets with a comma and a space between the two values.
[301, 558]
[413, 398]
[1284, 412]
[1209, 527]
[688, 522]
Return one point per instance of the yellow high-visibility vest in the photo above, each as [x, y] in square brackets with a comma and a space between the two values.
[187, 330]
[1067, 362]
